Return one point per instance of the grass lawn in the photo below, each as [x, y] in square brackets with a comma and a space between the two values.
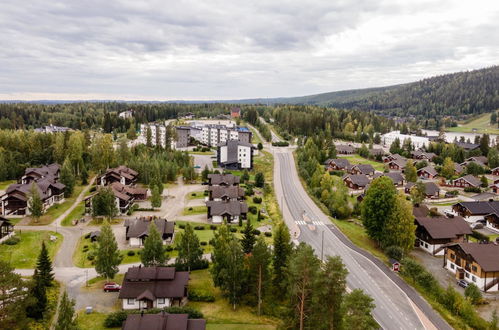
[481, 124]
[80, 257]
[57, 209]
[356, 159]
[255, 139]
[219, 314]
[77, 213]
[194, 210]
[196, 195]
[5, 184]
[94, 321]
[24, 253]
[97, 283]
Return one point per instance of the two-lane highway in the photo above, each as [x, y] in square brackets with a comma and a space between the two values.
[393, 310]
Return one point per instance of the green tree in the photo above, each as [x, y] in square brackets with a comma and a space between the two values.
[84, 175]
[328, 297]
[131, 134]
[418, 193]
[377, 206]
[395, 147]
[410, 172]
[259, 180]
[493, 158]
[190, 253]
[104, 204]
[245, 177]
[363, 151]
[204, 173]
[259, 273]
[484, 181]
[35, 204]
[153, 253]
[399, 229]
[493, 118]
[302, 272]
[473, 294]
[358, 308]
[448, 168]
[67, 177]
[281, 253]
[102, 152]
[156, 197]
[474, 168]
[148, 137]
[484, 144]
[12, 298]
[38, 298]
[44, 267]
[66, 319]
[108, 256]
[260, 146]
[248, 240]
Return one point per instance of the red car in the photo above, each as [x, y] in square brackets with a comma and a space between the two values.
[112, 287]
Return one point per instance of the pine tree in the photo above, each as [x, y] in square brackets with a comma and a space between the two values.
[281, 253]
[66, 319]
[38, 294]
[153, 253]
[248, 239]
[35, 204]
[259, 180]
[190, 253]
[44, 267]
[108, 256]
[259, 273]
[13, 298]
[84, 175]
[245, 177]
[156, 197]
[204, 173]
[358, 307]
[67, 177]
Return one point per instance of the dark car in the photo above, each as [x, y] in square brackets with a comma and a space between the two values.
[462, 283]
[112, 287]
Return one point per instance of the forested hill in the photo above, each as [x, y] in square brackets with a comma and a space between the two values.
[462, 93]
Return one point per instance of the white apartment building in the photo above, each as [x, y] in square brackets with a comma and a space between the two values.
[235, 155]
[417, 141]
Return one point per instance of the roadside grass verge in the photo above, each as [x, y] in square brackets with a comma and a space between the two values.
[25, 252]
[196, 195]
[193, 210]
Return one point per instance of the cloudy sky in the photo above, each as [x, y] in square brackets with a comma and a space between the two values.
[226, 49]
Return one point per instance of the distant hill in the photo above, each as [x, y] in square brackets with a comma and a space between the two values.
[462, 93]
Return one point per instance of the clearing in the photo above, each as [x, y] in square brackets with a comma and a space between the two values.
[480, 124]
[356, 159]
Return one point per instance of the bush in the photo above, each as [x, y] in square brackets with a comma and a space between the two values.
[90, 257]
[257, 200]
[394, 252]
[280, 144]
[268, 234]
[181, 226]
[472, 292]
[201, 296]
[337, 173]
[169, 248]
[87, 236]
[203, 243]
[233, 229]
[256, 232]
[131, 253]
[213, 227]
[190, 208]
[193, 194]
[205, 192]
[199, 228]
[252, 209]
[115, 320]
[473, 189]
[193, 314]
[12, 240]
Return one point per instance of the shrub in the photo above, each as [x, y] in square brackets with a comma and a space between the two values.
[181, 226]
[190, 208]
[337, 173]
[252, 209]
[90, 257]
[131, 253]
[472, 292]
[85, 246]
[12, 240]
[268, 234]
[199, 228]
[193, 314]
[201, 296]
[213, 227]
[233, 229]
[256, 232]
[473, 189]
[203, 243]
[193, 194]
[169, 248]
[115, 319]
[87, 236]
[394, 252]
[280, 144]
[205, 192]
[257, 200]
[139, 252]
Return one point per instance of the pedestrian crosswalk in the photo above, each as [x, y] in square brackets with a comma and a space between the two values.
[304, 223]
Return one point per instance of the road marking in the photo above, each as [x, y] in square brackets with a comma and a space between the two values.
[299, 222]
[318, 223]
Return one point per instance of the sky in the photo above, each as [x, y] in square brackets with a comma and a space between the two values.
[227, 49]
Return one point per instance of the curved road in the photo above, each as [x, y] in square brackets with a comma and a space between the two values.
[394, 309]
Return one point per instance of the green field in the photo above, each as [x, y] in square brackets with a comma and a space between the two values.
[480, 124]
[24, 253]
[196, 195]
[5, 184]
[356, 159]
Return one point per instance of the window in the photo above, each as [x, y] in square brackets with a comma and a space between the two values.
[467, 275]
[473, 278]
[473, 268]
[452, 255]
[161, 301]
[131, 301]
[451, 266]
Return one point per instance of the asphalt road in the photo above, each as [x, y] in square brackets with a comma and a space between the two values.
[394, 309]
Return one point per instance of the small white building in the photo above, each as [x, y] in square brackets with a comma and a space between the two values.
[417, 141]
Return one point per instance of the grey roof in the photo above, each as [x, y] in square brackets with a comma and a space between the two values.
[232, 150]
[396, 177]
[364, 168]
[458, 168]
[429, 169]
[443, 227]
[42, 186]
[342, 148]
[340, 162]
[228, 192]
[431, 188]
[481, 208]
[140, 227]
[400, 162]
[474, 181]
[467, 146]
[360, 180]
[376, 151]
[484, 254]
[481, 160]
[227, 179]
[162, 321]
[232, 208]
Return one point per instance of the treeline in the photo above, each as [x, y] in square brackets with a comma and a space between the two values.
[83, 152]
[252, 116]
[287, 281]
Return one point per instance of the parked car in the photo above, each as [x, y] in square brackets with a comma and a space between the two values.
[112, 287]
[477, 225]
[462, 283]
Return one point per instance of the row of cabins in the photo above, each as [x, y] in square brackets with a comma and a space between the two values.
[156, 287]
[121, 180]
[225, 199]
[16, 198]
[137, 230]
[448, 237]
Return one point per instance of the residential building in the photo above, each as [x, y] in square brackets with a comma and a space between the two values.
[137, 193]
[417, 141]
[376, 152]
[124, 197]
[473, 211]
[467, 181]
[475, 263]
[422, 155]
[162, 321]
[431, 189]
[6, 227]
[121, 174]
[344, 149]
[397, 164]
[213, 135]
[427, 172]
[480, 160]
[433, 234]
[356, 181]
[160, 134]
[230, 211]
[458, 169]
[467, 146]
[397, 177]
[235, 112]
[223, 180]
[485, 196]
[137, 230]
[183, 136]
[222, 193]
[366, 169]
[153, 287]
[126, 114]
[50, 172]
[338, 164]
[390, 157]
[495, 171]
[235, 155]
[52, 129]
